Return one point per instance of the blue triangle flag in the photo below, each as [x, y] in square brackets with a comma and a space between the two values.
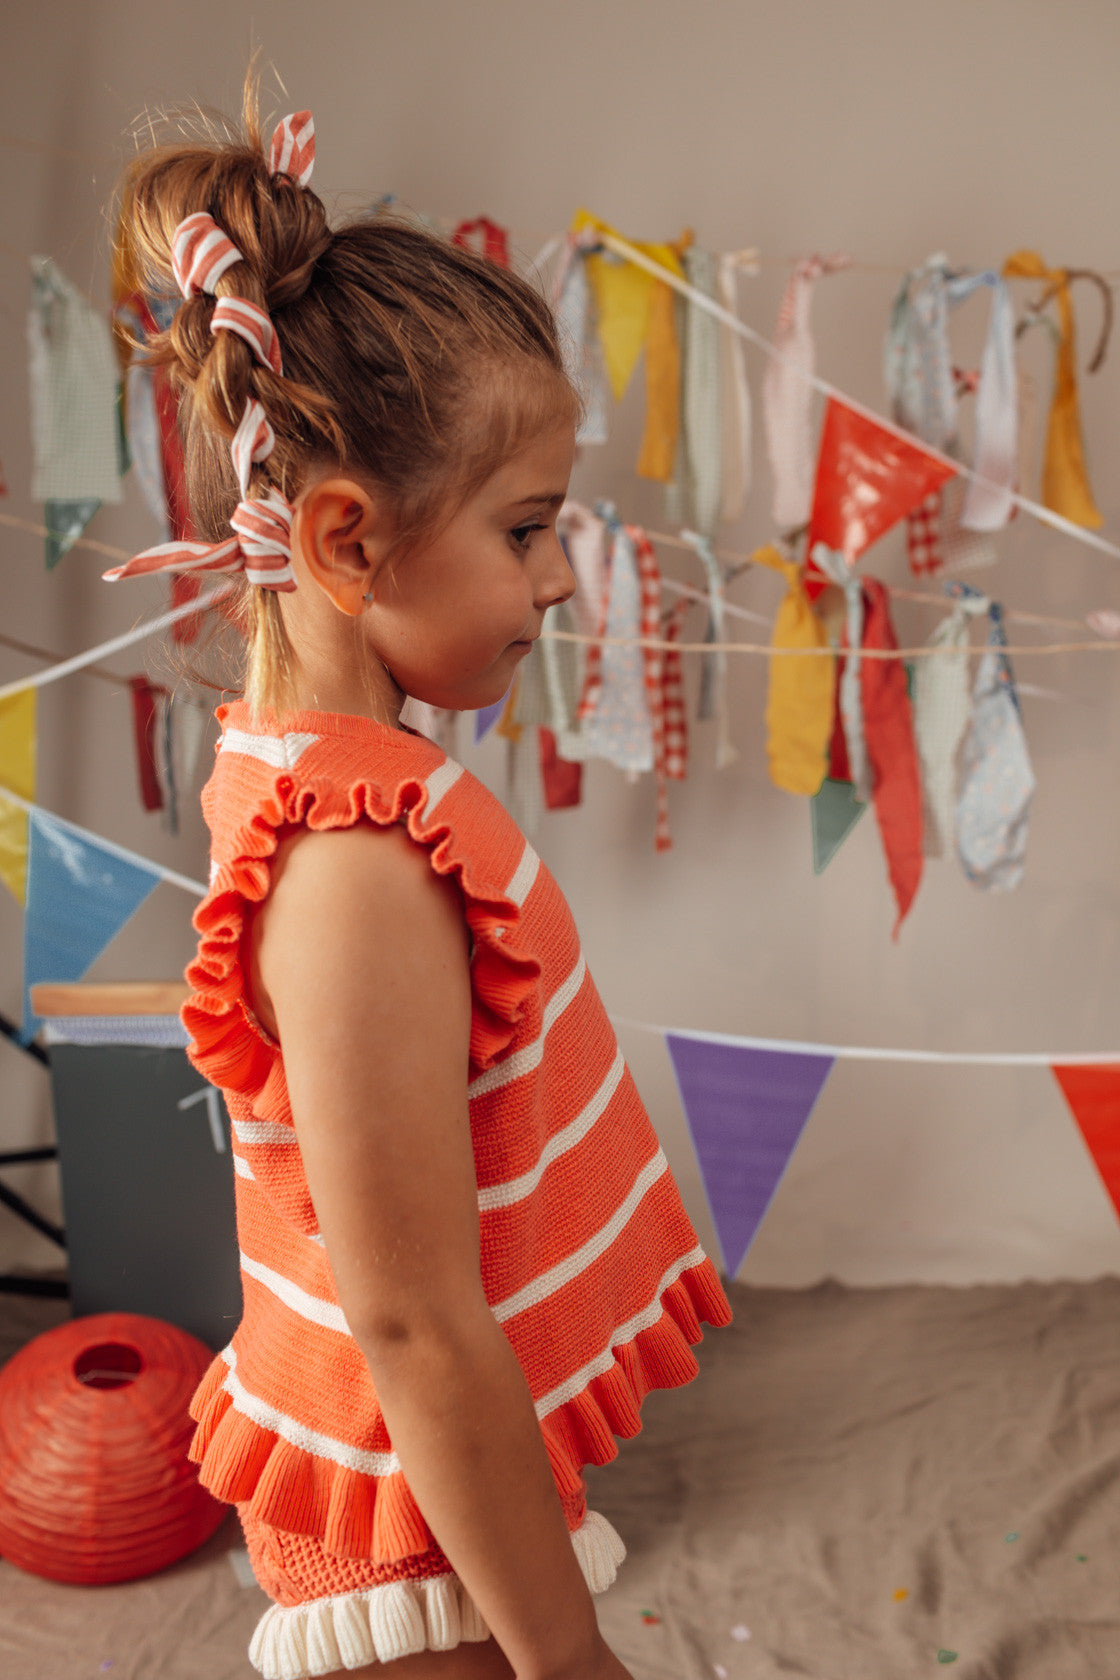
[746, 1109]
[80, 893]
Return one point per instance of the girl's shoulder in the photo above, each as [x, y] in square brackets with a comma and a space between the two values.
[324, 771]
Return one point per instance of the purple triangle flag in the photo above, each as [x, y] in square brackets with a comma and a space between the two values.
[485, 720]
[746, 1108]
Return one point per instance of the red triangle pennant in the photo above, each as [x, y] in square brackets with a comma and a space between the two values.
[1093, 1094]
[867, 480]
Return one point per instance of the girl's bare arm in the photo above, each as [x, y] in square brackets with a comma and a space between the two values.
[360, 958]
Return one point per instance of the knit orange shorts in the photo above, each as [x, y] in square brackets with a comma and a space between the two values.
[334, 1613]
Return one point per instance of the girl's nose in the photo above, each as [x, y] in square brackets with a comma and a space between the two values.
[556, 581]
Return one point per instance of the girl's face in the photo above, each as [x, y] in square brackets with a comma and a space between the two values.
[458, 615]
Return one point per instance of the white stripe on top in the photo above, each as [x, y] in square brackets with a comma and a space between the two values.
[263, 1131]
[440, 782]
[578, 1381]
[540, 1288]
[282, 752]
[299, 1435]
[525, 1060]
[297, 1300]
[515, 1189]
[524, 876]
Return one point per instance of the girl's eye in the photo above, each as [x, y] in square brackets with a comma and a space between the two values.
[522, 535]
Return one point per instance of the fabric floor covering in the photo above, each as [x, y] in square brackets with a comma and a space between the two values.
[862, 1484]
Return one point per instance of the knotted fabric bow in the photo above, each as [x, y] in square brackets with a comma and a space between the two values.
[922, 384]
[202, 252]
[799, 703]
[1065, 478]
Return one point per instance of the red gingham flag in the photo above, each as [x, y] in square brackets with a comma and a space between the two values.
[671, 738]
[923, 536]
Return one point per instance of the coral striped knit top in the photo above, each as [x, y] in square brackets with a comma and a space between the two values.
[589, 1261]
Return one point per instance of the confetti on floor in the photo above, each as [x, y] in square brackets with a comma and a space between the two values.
[650, 1619]
[1081, 1558]
[944, 1656]
[1011, 1537]
[740, 1632]
[900, 1593]
[720, 1671]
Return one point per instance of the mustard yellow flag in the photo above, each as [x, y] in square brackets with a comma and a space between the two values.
[801, 697]
[1065, 477]
[17, 774]
[636, 311]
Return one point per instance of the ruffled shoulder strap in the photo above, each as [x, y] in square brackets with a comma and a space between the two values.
[325, 771]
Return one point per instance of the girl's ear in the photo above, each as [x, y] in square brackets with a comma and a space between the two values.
[341, 531]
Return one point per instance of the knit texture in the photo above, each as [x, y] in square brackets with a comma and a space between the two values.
[589, 1261]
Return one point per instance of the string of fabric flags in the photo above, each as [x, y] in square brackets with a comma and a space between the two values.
[747, 1102]
[849, 727]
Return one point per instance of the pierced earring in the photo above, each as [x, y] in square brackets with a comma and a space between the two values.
[368, 597]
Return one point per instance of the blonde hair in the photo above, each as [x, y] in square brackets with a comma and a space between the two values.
[405, 357]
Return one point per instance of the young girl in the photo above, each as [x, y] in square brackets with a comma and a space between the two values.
[464, 1259]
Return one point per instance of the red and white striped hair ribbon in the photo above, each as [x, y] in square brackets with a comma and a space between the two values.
[292, 151]
[200, 254]
[253, 324]
[261, 546]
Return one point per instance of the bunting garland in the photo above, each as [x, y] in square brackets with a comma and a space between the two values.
[843, 718]
[80, 893]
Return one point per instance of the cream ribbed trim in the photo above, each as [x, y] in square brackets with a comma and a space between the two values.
[380, 1624]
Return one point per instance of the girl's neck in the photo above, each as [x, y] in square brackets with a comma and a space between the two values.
[337, 673]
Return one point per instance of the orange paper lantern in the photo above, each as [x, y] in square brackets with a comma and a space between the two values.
[95, 1482]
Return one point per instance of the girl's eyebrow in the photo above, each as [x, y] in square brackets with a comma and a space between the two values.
[546, 499]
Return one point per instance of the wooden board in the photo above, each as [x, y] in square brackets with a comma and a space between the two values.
[109, 997]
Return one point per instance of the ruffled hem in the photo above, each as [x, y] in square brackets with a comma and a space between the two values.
[226, 1046]
[357, 1515]
[400, 1618]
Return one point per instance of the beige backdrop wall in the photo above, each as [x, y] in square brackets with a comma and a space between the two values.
[888, 129]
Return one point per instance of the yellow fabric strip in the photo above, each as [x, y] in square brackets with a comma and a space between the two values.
[663, 388]
[17, 772]
[801, 696]
[1065, 478]
[629, 306]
